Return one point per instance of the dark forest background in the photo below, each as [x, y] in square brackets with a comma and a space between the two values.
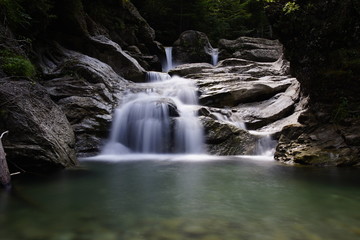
[218, 19]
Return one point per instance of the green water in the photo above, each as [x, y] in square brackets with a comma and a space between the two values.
[168, 200]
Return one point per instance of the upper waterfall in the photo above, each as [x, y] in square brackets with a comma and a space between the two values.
[168, 65]
[214, 56]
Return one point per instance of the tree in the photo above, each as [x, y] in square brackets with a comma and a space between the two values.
[218, 19]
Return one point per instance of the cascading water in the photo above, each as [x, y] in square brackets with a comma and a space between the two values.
[160, 120]
[214, 56]
[265, 145]
[157, 76]
[169, 61]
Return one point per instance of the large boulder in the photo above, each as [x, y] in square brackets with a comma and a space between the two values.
[192, 47]
[111, 53]
[40, 136]
[322, 145]
[87, 90]
[255, 49]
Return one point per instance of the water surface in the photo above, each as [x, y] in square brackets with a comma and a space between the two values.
[184, 197]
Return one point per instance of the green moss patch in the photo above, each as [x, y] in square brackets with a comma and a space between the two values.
[16, 65]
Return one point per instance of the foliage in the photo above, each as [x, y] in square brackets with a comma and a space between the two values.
[27, 16]
[16, 65]
[290, 7]
[14, 11]
[218, 19]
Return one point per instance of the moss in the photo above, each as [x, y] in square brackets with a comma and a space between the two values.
[16, 65]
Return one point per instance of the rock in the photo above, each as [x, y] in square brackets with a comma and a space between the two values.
[192, 47]
[40, 137]
[187, 69]
[254, 49]
[227, 139]
[87, 95]
[231, 92]
[112, 54]
[194, 230]
[319, 145]
[79, 21]
[259, 114]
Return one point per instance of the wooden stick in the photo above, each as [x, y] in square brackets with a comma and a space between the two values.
[5, 178]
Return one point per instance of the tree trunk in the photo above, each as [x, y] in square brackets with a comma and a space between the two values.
[4, 170]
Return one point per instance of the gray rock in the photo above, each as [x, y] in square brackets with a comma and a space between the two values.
[259, 114]
[192, 47]
[40, 137]
[112, 54]
[187, 69]
[234, 91]
[87, 90]
[255, 49]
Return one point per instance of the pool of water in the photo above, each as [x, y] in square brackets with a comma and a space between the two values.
[184, 197]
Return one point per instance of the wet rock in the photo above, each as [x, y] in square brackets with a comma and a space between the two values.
[192, 47]
[255, 49]
[40, 136]
[227, 139]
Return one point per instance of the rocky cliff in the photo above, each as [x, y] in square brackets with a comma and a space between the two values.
[63, 70]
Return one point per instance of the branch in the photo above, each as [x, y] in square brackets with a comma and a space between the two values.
[3, 134]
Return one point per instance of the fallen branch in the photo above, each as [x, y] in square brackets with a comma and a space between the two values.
[3, 134]
[5, 178]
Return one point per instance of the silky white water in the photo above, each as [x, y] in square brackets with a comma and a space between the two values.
[168, 65]
[214, 56]
[160, 120]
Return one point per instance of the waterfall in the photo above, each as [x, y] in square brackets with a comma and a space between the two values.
[156, 76]
[265, 145]
[169, 61]
[160, 120]
[214, 56]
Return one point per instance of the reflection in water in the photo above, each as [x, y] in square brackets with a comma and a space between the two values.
[186, 197]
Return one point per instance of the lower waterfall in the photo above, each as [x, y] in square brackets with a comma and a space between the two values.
[161, 119]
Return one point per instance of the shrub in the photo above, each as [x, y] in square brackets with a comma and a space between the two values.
[16, 65]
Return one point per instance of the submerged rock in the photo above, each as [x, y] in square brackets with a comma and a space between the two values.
[40, 137]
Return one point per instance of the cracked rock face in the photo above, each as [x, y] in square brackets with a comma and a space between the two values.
[40, 136]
